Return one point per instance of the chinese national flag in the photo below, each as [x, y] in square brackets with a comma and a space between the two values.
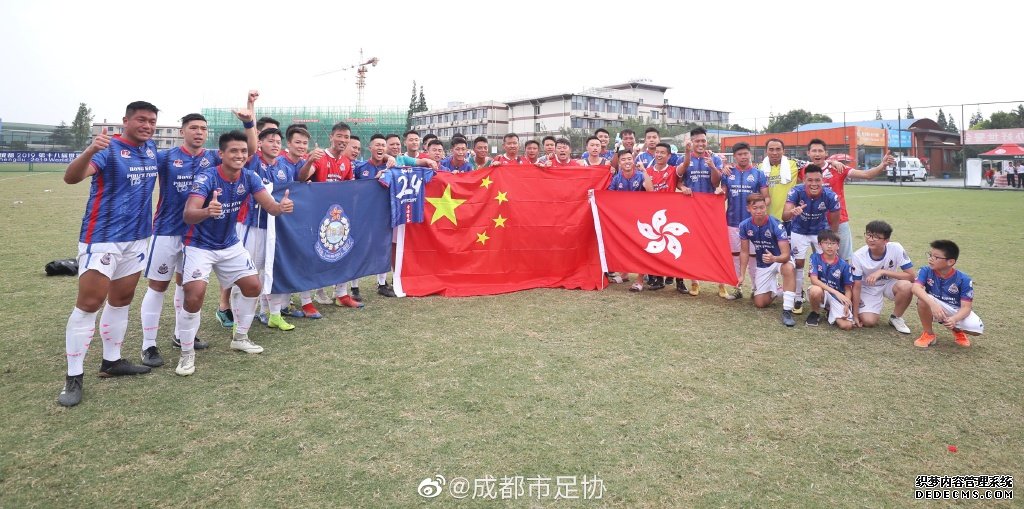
[503, 229]
[666, 234]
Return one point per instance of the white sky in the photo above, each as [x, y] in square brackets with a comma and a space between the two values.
[747, 57]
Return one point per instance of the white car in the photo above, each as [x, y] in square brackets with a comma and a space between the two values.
[907, 169]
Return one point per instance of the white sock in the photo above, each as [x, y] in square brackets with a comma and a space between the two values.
[340, 290]
[354, 283]
[245, 309]
[799, 282]
[752, 270]
[736, 264]
[277, 302]
[152, 305]
[179, 301]
[113, 324]
[382, 279]
[306, 298]
[188, 327]
[787, 300]
[77, 337]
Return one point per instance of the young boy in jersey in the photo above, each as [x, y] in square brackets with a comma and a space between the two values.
[112, 244]
[739, 183]
[881, 270]
[699, 172]
[211, 244]
[532, 152]
[593, 155]
[766, 237]
[945, 295]
[832, 284]
[811, 208]
[629, 178]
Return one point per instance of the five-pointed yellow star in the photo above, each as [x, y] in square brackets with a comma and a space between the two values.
[501, 197]
[499, 222]
[486, 182]
[445, 206]
[482, 237]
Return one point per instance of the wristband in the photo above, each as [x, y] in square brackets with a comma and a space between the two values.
[248, 125]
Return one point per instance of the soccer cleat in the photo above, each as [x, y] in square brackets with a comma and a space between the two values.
[694, 288]
[245, 345]
[722, 292]
[186, 364]
[798, 307]
[899, 324]
[226, 317]
[275, 321]
[197, 343]
[262, 317]
[293, 312]
[355, 294]
[961, 338]
[386, 290]
[657, 283]
[121, 367]
[670, 281]
[735, 295]
[813, 319]
[71, 394]
[637, 287]
[681, 286]
[310, 311]
[924, 340]
[321, 298]
[346, 301]
[787, 318]
[151, 357]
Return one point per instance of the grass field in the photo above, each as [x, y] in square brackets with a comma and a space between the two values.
[671, 400]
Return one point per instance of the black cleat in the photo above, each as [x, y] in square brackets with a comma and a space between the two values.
[71, 394]
[657, 283]
[199, 344]
[121, 367]
[151, 357]
[787, 318]
[813, 319]
[669, 281]
[386, 290]
[355, 294]
[681, 286]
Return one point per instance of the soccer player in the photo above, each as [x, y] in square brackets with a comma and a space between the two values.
[211, 244]
[112, 243]
[700, 172]
[425, 142]
[457, 163]
[604, 137]
[532, 152]
[548, 144]
[354, 150]
[435, 151]
[831, 284]
[629, 178]
[771, 254]
[628, 137]
[380, 148]
[652, 137]
[782, 173]
[412, 144]
[593, 155]
[562, 156]
[945, 295]
[834, 175]
[742, 181]
[480, 158]
[881, 269]
[811, 208]
[331, 165]
[663, 180]
[394, 150]
[510, 143]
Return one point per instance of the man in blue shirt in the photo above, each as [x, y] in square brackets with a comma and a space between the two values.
[698, 172]
[812, 208]
[766, 237]
[457, 163]
[738, 183]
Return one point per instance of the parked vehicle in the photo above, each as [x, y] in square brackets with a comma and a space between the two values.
[907, 169]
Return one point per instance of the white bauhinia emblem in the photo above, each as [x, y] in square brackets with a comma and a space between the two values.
[662, 234]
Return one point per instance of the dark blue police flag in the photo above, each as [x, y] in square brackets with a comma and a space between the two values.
[339, 231]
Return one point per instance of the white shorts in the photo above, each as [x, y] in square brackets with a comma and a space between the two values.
[801, 245]
[734, 241]
[114, 260]
[766, 279]
[871, 296]
[165, 257]
[230, 264]
[836, 309]
[970, 324]
[255, 241]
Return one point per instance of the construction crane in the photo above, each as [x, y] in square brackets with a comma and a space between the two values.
[360, 75]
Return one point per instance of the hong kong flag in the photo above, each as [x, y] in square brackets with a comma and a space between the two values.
[664, 234]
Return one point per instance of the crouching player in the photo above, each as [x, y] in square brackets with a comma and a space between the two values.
[945, 295]
[629, 178]
[772, 255]
[881, 270]
[832, 284]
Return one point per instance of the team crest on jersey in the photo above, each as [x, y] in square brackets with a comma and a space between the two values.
[197, 274]
[203, 163]
[281, 175]
[125, 153]
[163, 269]
[105, 259]
[767, 234]
[836, 273]
[149, 153]
[954, 289]
[821, 206]
[178, 163]
[240, 190]
[750, 179]
[263, 165]
[335, 239]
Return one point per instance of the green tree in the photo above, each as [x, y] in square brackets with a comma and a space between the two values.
[412, 107]
[62, 135]
[951, 125]
[910, 112]
[792, 119]
[942, 121]
[422, 104]
[976, 119]
[81, 126]
[1020, 115]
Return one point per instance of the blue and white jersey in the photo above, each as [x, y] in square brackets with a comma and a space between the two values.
[276, 172]
[608, 154]
[215, 233]
[120, 205]
[621, 183]
[697, 176]
[765, 237]
[447, 165]
[952, 290]
[294, 168]
[177, 168]
[894, 259]
[837, 275]
[815, 215]
[646, 159]
[739, 185]
[405, 186]
[368, 170]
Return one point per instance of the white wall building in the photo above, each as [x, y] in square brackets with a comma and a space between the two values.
[488, 119]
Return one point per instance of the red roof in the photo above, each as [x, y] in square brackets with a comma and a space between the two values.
[1006, 150]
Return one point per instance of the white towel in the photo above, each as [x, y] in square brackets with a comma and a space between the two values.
[785, 170]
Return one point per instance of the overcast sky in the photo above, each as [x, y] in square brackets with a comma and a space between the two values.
[750, 58]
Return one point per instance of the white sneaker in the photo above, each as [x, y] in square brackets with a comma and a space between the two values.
[898, 324]
[186, 364]
[321, 298]
[246, 345]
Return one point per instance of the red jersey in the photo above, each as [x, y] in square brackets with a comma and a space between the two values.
[663, 180]
[836, 181]
[555, 163]
[504, 159]
[332, 169]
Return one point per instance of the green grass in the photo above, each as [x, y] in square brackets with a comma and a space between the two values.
[673, 401]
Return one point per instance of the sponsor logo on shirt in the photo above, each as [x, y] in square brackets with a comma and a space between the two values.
[126, 154]
[178, 163]
[149, 153]
[204, 163]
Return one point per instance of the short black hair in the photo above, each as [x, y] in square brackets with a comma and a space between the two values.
[410, 131]
[650, 130]
[949, 248]
[623, 152]
[591, 138]
[531, 142]
[624, 132]
[827, 235]
[817, 141]
[879, 227]
[230, 136]
[434, 141]
[549, 137]
[479, 139]
[139, 105]
[297, 129]
[429, 136]
[812, 168]
[269, 131]
[340, 126]
[355, 138]
[740, 146]
[391, 135]
[192, 117]
[770, 140]
[563, 141]
[459, 141]
[509, 136]
[602, 130]
[377, 136]
[698, 130]
[664, 145]
[263, 121]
